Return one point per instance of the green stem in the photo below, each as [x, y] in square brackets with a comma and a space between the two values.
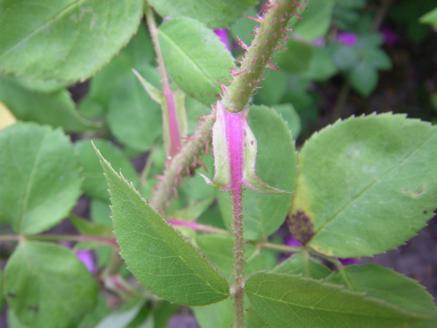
[272, 30]
[181, 162]
[55, 237]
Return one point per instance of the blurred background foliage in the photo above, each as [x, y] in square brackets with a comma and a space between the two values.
[345, 57]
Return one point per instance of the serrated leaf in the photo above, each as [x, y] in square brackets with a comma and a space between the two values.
[283, 300]
[155, 253]
[300, 264]
[56, 108]
[210, 12]
[196, 59]
[64, 41]
[388, 286]
[275, 164]
[40, 179]
[367, 184]
[94, 184]
[47, 286]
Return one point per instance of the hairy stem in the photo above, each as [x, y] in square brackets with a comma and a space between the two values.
[181, 162]
[174, 136]
[272, 30]
[267, 36]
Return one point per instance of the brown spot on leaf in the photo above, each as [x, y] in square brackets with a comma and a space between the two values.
[301, 226]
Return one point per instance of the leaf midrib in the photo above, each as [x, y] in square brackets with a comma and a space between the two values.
[68, 8]
[188, 57]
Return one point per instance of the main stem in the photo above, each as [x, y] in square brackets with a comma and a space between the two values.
[258, 55]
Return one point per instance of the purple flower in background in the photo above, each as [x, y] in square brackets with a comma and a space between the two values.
[223, 35]
[86, 257]
[389, 36]
[349, 261]
[291, 241]
[347, 38]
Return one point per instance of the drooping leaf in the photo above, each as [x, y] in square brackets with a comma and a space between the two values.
[210, 12]
[289, 114]
[47, 286]
[389, 286]
[275, 164]
[40, 179]
[61, 42]
[300, 264]
[367, 184]
[56, 108]
[283, 300]
[155, 253]
[196, 59]
[94, 183]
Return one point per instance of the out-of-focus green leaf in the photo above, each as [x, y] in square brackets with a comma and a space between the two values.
[274, 86]
[316, 19]
[40, 179]
[94, 183]
[47, 286]
[167, 264]
[56, 43]
[197, 61]
[290, 116]
[210, 12]
[367, 184]
[218, 315]
[275, 164]
[364, 78]
[430, 18]
[296, 58]
[283, 300]
[56, 109]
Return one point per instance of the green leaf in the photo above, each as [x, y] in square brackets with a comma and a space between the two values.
[133, 117]
[367, 184]
[288, 113]
[218, 315]
[47, 286]
[299, 264]
[94, 183]
[388, 286]
[56, 109]
[274, 87]
[321, 66]
[264, 213]
[210, 12]
[56, 43]
[155, 253]
[364, 78]
[283, 300]
[1, 290]
[197, 61]
[219, 250]
[296, 58]
[86, 227]
[430, 18]
[40, 179]
[316, 19]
